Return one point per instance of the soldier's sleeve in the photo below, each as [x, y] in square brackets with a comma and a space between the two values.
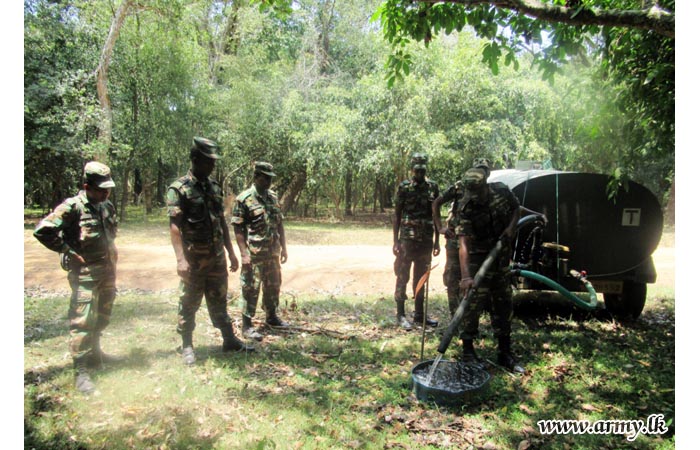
[172, 201]
[276, 204]
[49, 230]
[238, 213]
[463, 223]
[448, 194]
[113, 219]
[513, 201]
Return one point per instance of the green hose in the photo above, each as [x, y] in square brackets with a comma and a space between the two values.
[592, 297]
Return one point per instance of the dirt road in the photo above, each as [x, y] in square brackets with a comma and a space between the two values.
[333, 269]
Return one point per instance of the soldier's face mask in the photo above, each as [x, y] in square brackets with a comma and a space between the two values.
[419, 174]
[262, 181]
[203, 166]
[96, 194]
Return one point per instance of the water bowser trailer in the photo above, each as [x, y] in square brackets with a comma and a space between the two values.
[610, 239]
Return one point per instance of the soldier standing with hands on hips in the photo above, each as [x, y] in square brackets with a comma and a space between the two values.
[257, 223]
[199, 234]
[413, 239]
[82, 229]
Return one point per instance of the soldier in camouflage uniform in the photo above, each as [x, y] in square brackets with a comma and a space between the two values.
[199, 235]
[452, 274]
[415, 238]
[487, 213]
[82, 229]
[257, 223]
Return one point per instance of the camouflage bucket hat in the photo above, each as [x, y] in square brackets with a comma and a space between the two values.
[264, 168]
[206, 147]
[98, 174]
[474, 179]
[419, 161]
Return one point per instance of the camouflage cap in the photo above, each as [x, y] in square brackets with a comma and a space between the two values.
[419, 161]
[205, 147]
[98, 174]
[264, 168]
[474, 179]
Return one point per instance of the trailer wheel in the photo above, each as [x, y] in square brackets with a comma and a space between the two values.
[630, 303]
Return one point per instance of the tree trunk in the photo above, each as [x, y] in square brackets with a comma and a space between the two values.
[671, 204]
[138, 184]
[105, 133]
[291, 195]
[125, 188]
[230, 39]
[653, 18]
[324, 41]
[348, 192]
[147, 189]
[159, 183]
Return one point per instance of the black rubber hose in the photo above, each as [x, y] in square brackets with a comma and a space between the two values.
[459, 313]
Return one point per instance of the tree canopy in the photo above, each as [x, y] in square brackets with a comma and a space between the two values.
[303, 85]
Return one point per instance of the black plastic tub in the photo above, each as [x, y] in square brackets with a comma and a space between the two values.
[468, 385]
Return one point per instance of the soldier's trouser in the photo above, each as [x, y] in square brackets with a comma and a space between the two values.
[208, 278]
[419, 254]
[266, 273]
[93, 291]
[451, 277]
[495, 292]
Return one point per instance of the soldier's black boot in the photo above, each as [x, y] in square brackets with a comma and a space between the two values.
[274, 321]
[83, 383]
[401, 316]
[418, 320]
[418, 314]
[98, 358]
[505, 356]
[249, 330]
[469, 355]
[187, 349]
[232, 343]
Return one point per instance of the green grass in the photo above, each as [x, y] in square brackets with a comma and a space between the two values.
[316, 389]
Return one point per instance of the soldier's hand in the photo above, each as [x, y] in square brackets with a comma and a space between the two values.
[183, 269]
[75, 256]
[448, 232]
[466, 283]
[396, 249]
[234, 264]
[283, 256]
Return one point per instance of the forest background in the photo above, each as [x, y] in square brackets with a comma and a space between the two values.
[310, 87]
[308, 92]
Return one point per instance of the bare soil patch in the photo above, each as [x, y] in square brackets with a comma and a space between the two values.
[332, 269]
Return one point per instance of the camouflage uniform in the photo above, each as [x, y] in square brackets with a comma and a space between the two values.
[483, 224]
[258, 217]
[200, 205]
[87, 229]
[452, 273]
[415, 237]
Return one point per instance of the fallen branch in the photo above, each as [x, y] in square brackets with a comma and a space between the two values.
[318, 330]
